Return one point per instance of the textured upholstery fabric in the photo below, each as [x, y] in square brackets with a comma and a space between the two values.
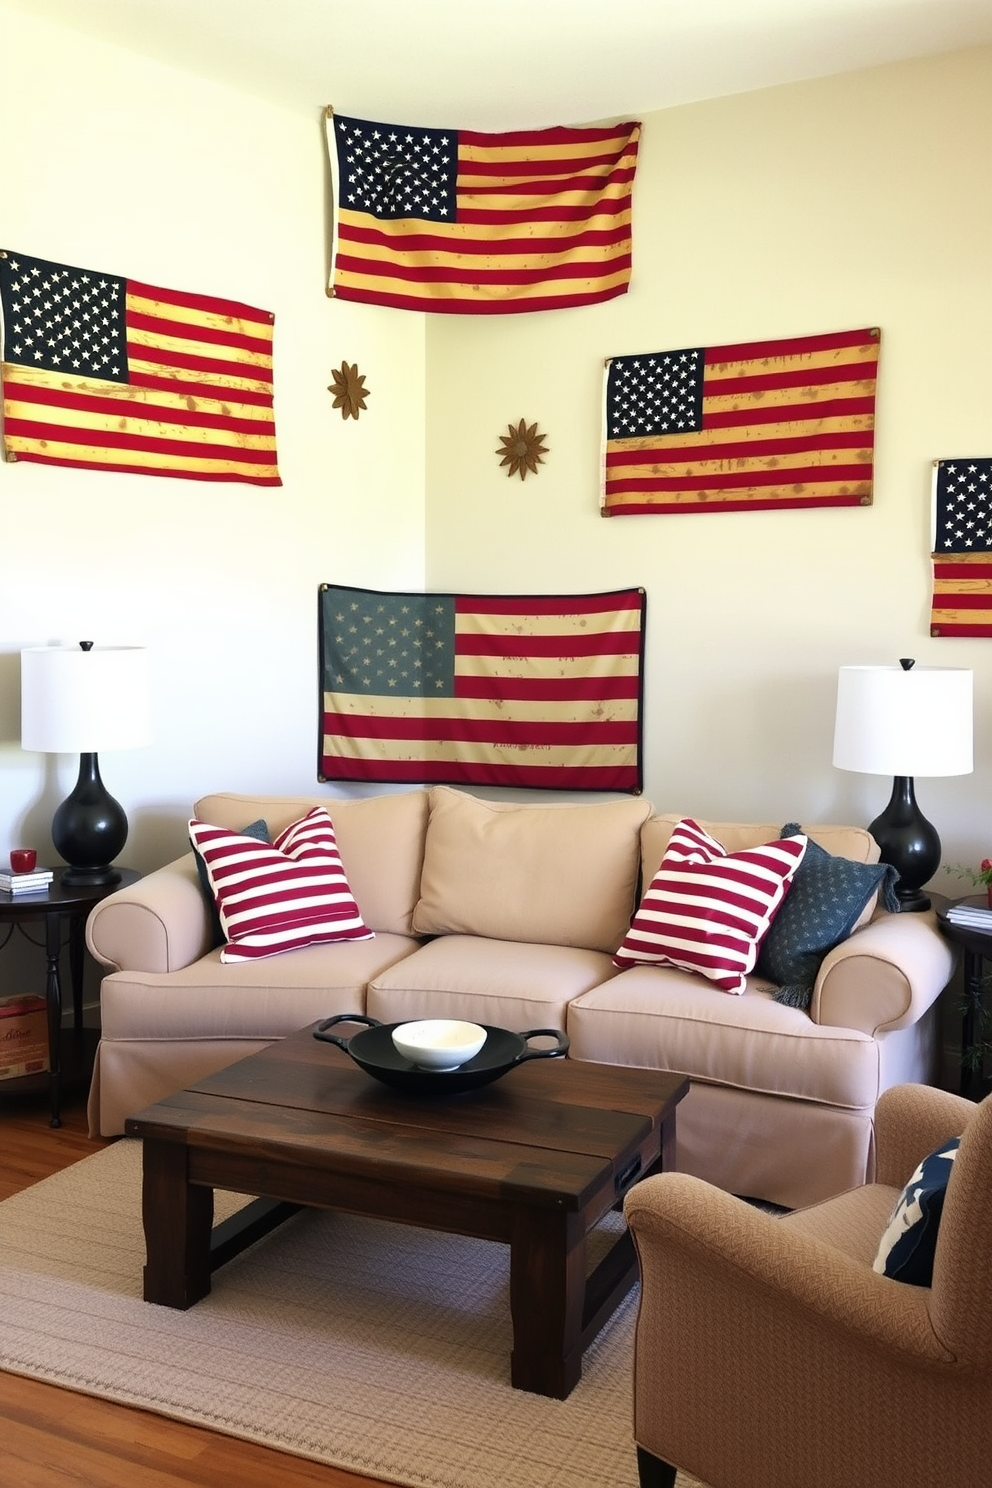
[769, 1352]
[562, 874]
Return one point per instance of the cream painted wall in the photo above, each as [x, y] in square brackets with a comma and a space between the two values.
[858, 200]
[113, 162]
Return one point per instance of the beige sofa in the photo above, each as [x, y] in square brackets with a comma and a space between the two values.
[510, 915]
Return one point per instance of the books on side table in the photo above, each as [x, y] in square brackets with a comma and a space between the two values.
[975, 916]
[26, 883]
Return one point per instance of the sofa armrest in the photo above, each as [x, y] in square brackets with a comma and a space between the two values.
[161, 923]
[884, 976]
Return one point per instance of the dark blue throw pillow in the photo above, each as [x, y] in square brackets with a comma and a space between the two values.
[907, 1248]
[820, 910]
[257, 829]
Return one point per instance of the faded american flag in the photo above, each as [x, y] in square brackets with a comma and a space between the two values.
[962, 548]
[763, 424]
[107, 373]
[482, 689]
[467, 223]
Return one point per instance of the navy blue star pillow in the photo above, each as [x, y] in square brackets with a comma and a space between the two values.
[907, 1248]
[822, 907]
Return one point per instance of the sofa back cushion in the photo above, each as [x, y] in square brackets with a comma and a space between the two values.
[556, 874]
[844, 842]
[380, 839]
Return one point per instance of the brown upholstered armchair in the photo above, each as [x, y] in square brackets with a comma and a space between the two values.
[768, 1350]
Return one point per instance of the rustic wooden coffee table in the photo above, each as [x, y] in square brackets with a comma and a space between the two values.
[533, 1160]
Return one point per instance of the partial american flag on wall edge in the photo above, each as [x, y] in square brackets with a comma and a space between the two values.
[961, 543]
[541, 692]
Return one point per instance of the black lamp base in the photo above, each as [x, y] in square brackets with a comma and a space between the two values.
[909, 842]
[89, 829]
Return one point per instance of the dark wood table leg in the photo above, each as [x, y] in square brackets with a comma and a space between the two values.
[178, 1217]
[53, 999]
[77, 946]
[547, 1297]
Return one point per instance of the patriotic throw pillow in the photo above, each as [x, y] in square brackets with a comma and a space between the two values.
[275, 898]
[706, 910]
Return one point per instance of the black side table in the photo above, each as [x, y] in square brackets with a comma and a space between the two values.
[19, 911]
[977, 947]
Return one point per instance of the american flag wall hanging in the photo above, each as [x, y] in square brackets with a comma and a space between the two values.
[962, 547]
[105, 373]
[748, 427]
[466, 223]
[502, 690]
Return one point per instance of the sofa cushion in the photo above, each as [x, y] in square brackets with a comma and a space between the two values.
[380, 839]
[706, 910]
[257, 829]
[658, 1017]
[504, 983]
[907, 1248]
[828, 897]
[274, 898]
[562, 874]
[265, 999]
[855, 843]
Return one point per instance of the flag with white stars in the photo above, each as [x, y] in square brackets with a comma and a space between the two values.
[466, 223]
[962, 547]
[481, 689]
[105, 373]
[759, 425]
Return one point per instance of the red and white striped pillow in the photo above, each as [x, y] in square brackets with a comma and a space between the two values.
[706, 910]
[275, 898]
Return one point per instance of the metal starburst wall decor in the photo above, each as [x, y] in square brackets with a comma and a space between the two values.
[523, 449]
[349, 390]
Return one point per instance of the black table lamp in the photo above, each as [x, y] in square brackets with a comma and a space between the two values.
[905, 721]
[83, 699]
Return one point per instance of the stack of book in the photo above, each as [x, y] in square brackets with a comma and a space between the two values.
[975, 916]
[25, 883]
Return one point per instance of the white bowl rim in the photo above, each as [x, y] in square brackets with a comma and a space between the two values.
[425, 1033]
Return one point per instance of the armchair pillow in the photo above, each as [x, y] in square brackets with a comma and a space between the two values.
[907, 1248]
[706, 910]
[827, 899]
[275, 898]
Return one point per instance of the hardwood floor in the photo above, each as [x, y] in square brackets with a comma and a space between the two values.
[51, 1437]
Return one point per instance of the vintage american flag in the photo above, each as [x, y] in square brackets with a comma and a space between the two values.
[482, 689]
[106, 373]
[467, 223]
[759, 425]
[962, 548]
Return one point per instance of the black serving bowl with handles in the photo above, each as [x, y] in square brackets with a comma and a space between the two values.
[373, 1051]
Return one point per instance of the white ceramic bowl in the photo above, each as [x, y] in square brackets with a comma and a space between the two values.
[439, 1043]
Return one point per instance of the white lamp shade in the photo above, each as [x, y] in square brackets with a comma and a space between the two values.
[895, 722]
[82, 702]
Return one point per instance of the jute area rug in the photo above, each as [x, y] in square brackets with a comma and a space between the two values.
[375, 1347]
